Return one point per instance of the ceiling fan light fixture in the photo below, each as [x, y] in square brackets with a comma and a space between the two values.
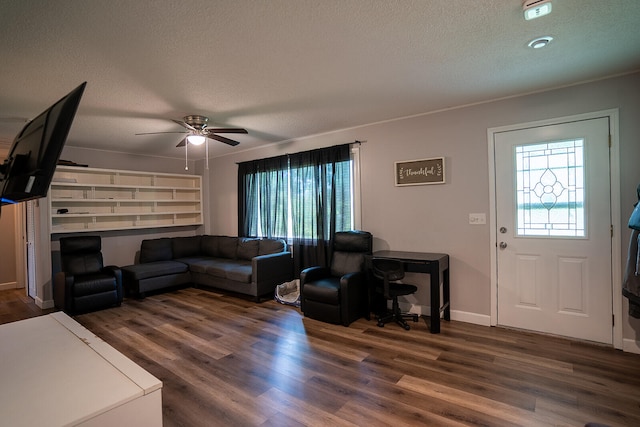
[196, 139]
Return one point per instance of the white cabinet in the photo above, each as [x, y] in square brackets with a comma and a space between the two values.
[55, 372]
[90, 199]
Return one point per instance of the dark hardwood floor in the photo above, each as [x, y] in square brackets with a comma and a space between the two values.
[228, 361]
[16, 305]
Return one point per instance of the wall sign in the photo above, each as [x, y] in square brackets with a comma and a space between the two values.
[420, 172]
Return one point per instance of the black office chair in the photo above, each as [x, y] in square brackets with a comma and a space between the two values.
[85, 284]
[390, 271]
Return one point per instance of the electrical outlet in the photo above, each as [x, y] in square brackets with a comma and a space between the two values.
[477, 218]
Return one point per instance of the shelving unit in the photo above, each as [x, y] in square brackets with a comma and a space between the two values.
[109, 199]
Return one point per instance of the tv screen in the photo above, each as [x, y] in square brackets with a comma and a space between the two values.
[28, 169]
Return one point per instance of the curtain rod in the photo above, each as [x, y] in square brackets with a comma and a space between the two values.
[350, 143]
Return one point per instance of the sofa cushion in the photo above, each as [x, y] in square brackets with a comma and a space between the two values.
[154, 269]
[239, 271]
[228, 247]
[185, 246]
[210, 246]
[217, 269]
[152, 250]
[247, 248]
[200, 264]
[270, 246]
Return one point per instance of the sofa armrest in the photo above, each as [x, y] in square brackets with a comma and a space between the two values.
[272, 268]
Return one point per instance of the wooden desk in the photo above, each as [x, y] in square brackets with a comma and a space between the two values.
[437, 266]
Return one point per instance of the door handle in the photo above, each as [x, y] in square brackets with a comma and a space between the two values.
[503, 245]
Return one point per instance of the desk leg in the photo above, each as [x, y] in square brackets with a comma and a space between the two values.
[446, 296]
[434, 278]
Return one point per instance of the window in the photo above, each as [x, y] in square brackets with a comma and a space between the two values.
[550, 189]
[304, 197]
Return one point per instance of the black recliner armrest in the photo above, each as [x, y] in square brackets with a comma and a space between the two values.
[354, 295]
[312, 274]
[62, 283]
[116, 272]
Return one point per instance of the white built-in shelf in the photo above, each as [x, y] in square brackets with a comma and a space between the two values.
[110, 199]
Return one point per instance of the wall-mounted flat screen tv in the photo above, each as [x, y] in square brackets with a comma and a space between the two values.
[28, 169]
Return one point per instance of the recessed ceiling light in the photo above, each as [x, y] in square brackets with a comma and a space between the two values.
[536, 8]
[540, 42]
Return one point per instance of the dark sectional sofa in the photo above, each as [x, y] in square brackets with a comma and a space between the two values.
[248, 266]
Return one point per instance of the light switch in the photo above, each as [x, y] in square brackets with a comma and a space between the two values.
[477, 218]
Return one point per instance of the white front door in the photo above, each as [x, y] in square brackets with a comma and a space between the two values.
[553, 229]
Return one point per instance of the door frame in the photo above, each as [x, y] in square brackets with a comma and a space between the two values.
[21, 248]
[614, 165]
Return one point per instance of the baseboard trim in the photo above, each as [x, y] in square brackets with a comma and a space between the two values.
[44, 305]
[8, 285]
[461, 316]
[628, 345]
[631, 346]
[475, 318]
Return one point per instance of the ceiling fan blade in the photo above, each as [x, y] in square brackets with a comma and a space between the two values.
[184, 125]
[157, 133]
[223, 139]
[226, 130]
[183, 142]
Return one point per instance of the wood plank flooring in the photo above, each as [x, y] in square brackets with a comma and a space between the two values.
[16, 305]
[227, 361]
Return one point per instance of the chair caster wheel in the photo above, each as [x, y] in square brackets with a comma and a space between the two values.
[407, 327]
[380, 324]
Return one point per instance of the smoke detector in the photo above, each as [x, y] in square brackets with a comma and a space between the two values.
[536, 8]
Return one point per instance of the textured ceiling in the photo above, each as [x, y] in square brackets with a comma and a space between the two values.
[284, 69]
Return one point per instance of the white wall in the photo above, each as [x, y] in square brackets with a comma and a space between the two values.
[8, 273]
[115, 160]
[434, 218]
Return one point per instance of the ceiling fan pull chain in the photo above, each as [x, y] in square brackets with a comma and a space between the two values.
[206, 153]
[186, 162]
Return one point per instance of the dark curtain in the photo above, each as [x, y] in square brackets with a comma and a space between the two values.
[316, 183]
[262, 197]
[315, 179]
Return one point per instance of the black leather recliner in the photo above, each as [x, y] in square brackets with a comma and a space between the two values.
[339, 294]
[85, 284]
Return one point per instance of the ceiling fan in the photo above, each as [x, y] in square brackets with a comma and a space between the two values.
[197, 131]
